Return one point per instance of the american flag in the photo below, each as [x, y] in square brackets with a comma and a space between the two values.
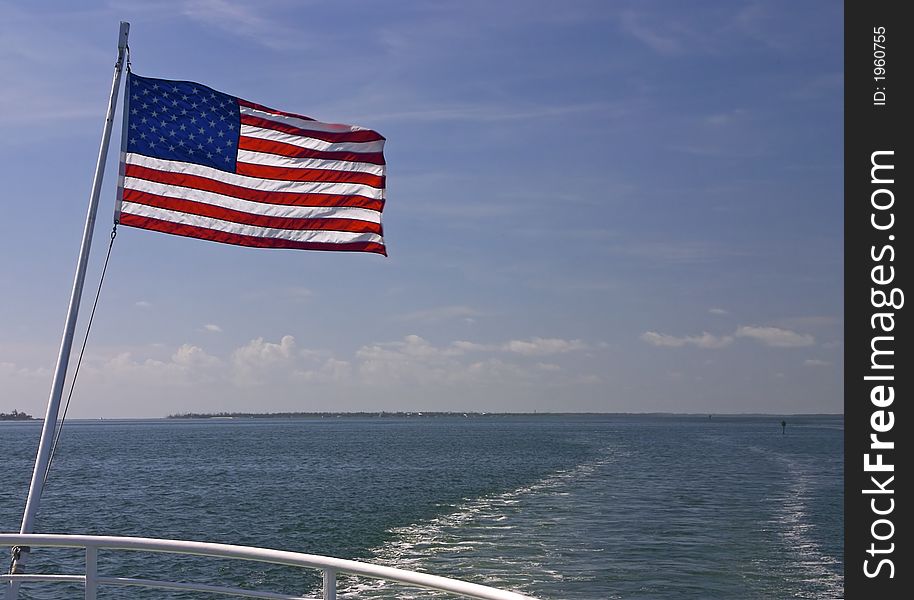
[201, 163]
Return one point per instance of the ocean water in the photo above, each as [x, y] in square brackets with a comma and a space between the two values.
[558, 507]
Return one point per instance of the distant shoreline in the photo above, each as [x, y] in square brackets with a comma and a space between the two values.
[469, 414]
[428, 415]
[357, 415]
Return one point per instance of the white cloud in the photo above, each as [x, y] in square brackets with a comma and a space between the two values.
[143, 304]
[441, 313]
[212, 328]
[815, 362]
[465, 346]
[810, 322]
[543, 346]
[412, 360]
[661, 339]
[9, 368]
[193, 357]
[297, 293]
[485, 113]
[186, 366]
[272, 24]
[125, 363]
[331, 371]
[240, 18]
[725, 118]
[428, 373]
[254, 361]
[718, 311]
[496, 370]
[536, 346]
[769, 336]
[417, 360]
[776, 337]
[661, 40]
[261, 352]
[705, 340]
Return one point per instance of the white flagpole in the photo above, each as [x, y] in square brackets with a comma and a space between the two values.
[63, 358]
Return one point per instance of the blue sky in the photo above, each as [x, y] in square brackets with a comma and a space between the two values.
[592, 206]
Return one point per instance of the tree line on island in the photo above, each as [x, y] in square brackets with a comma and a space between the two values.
[16, 416]
[320, 415]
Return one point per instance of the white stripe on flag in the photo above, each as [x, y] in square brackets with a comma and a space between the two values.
[249, 206]
[275, 160]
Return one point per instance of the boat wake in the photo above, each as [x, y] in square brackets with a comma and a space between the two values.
[819, 572]
[491, 540]
[822, 570]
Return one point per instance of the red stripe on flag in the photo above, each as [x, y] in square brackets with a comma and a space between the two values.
[256, 106]
[292, 174]
[359, 135]
[245, 240]
[245, 218]
[287, 198]
[283, 149]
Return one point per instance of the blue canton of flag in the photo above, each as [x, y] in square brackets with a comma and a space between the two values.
[182, 120]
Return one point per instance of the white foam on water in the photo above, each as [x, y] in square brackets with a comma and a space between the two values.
[821, 569]
[473, 542]
[794, 528]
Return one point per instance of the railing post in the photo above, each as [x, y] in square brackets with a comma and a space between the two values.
[91, 572]
[329, 584]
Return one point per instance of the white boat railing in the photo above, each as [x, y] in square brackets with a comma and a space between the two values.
[330, 568]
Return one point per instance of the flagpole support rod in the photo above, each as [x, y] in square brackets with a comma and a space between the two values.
[60, 373]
